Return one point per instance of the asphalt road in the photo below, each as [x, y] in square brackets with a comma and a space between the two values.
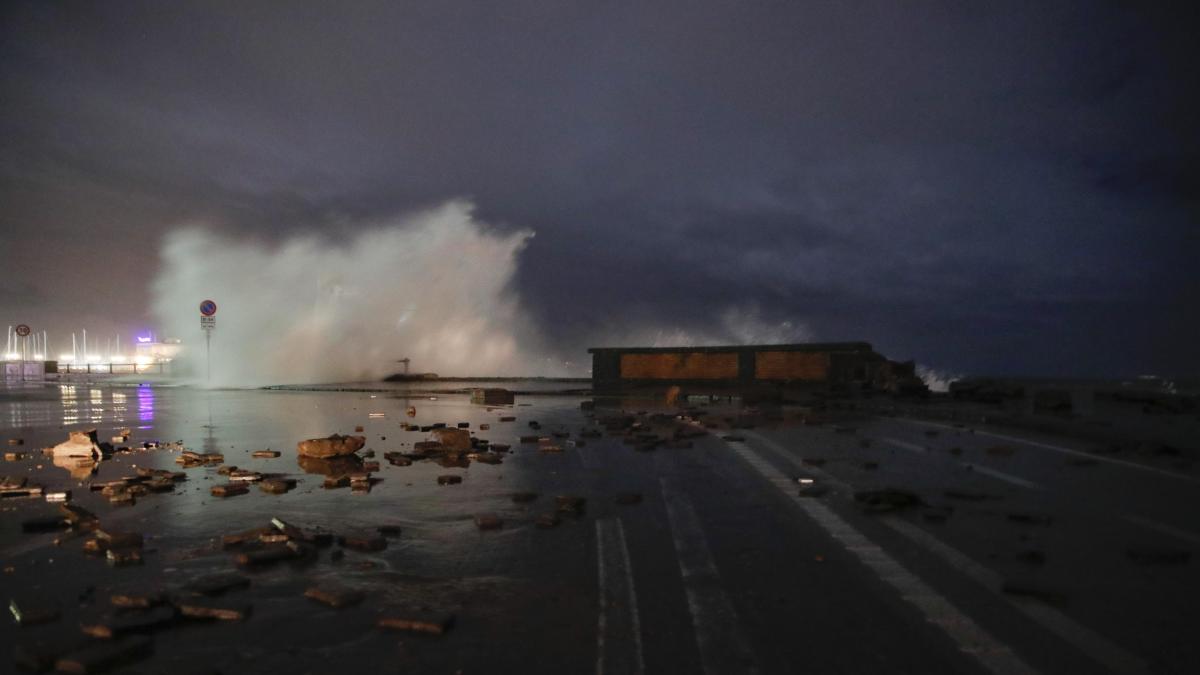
[1023, 554]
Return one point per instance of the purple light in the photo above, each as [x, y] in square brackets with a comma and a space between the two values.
[143, 339]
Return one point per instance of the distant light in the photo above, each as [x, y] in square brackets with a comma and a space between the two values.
[12, 356]
[143, 360]
[67, 358]
[118, 358]
[143, 339]
[39, 357]
[94, 358]
[804, 481]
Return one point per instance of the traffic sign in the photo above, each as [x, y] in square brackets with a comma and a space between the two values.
[208, 308]
[208, 322]
[23, 330]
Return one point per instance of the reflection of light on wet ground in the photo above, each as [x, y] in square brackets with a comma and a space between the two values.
[145, 397]
[119, 408]
[97, 406]
[70, 402]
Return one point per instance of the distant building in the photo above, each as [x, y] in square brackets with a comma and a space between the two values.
[830, 366]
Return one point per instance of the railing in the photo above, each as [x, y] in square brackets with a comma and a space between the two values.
[110, 368]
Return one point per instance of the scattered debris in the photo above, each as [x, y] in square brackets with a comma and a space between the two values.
[418, 622]
[488, 521]
[212, 610]
[570, 504]
[79, 444]
[269, 454]
[333, 446]
[277, 486]
[229, 490]
[335, 597]
[449, 479]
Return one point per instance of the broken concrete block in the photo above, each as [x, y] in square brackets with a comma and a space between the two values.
[265, 454]
[213, 610]
[452, 440]
[488, 521]
[417, 622]
[245, 476]
[397, 459]
[449, 479]
[117, 539]
[487, 458]
[333, 446]
[137, 599]
[225, 470]
[122, 557]
[79, 444]
[570, 504]
[335, 597]
[334, 482]
[229, 541]
[102, 655]
[229, 490]
[277, 486]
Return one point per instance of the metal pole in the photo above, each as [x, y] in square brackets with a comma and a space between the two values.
[208, 353]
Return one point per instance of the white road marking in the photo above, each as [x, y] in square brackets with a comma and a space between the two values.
[1164, 529]
[1007, 477]
[1082, 638]
[987, 471]
[906, 445]
[616, 591]
[718, 635]
[992, 654]
[1055, 448]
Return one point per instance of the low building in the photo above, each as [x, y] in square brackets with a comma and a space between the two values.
[829, 366]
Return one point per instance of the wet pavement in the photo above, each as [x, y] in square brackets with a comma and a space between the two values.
[1009, 552]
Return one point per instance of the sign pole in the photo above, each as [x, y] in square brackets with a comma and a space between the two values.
[208, 321]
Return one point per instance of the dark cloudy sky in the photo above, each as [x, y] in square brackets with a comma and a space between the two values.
[984, 187]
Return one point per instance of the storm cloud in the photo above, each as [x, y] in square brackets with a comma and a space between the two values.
[1007, 189]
